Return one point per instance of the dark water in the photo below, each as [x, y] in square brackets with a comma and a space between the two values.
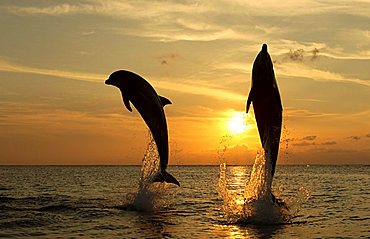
[86, 202]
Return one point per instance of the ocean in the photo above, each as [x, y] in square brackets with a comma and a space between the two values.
[93, 202]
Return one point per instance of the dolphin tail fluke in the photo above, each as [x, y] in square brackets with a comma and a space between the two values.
[165, 177]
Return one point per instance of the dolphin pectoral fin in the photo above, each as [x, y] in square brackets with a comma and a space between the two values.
[163, 176]
[126, 102]
[164, 101]
[248, 105]
[249, 101]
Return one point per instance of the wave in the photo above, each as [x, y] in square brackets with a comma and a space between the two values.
[57, 208]
[23, 223]
[4, 199]
[6, 188]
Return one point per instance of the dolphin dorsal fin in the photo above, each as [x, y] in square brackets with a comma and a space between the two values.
[126, 102]
[164, 101]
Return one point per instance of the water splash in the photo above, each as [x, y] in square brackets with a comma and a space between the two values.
[255, 204]
[151, 195]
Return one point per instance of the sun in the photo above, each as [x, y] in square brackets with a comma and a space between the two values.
[237, 123]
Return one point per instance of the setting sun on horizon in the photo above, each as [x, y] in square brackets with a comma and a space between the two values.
[55, 108]
[237, 123]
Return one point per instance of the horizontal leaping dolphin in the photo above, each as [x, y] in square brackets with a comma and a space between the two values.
[142, 95]
[267, 106]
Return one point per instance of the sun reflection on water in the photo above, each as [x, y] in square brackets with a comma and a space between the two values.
[236, 232]
[250, 231]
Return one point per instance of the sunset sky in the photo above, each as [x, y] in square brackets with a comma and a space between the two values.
[56, 55]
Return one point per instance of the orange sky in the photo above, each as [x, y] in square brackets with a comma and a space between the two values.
[55, 56]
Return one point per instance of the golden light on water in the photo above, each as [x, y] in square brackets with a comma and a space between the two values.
[237, 123]
[237, 181]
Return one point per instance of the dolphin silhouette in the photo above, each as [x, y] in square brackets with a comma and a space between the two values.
[267, 106]
[142, 95]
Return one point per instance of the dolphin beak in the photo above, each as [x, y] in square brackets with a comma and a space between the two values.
[107, 82]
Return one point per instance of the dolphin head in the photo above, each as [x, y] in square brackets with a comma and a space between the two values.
[263, 69]
[263, 59]
[125, 81]
[120, 79]
[264, 48]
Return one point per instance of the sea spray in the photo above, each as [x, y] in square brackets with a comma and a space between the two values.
[254, 204]
[150, 195]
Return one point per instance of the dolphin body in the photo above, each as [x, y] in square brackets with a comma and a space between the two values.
[267, 106]
[142, 95]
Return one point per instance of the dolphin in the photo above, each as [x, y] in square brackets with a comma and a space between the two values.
[267, 106]
[142, 95]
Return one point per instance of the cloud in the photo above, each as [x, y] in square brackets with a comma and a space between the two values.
[358, 137]
[313, 50]
[296, 55]
[300, 54]
[111, 8]
[304, 144]
[198, 89]
[315, 54]
[329, 143]
[355, 138]
[156, 8]
[204, 21]
[88, 33]
[19, 118]
[310, 138]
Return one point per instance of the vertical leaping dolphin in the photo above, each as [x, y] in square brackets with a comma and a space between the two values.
[150, 106]
[267, 106]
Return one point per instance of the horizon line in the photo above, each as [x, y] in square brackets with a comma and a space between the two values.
[177, 165]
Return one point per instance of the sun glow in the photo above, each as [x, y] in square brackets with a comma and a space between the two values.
[237, 123]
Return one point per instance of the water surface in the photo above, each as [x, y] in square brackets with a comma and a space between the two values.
[86, 202]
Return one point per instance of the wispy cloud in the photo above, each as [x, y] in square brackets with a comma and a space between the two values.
[302, 113]
[155, 8]
[300, 70]
[55, 10]
[301, 54]
[304, 144]
[163, 83]
[12, 67]
[329, 143]
[310, 138]
[355, 137]
[358, 137]
[247, 21]
[195, 89]
[89, 7]
[180, 35]
[122, 9]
